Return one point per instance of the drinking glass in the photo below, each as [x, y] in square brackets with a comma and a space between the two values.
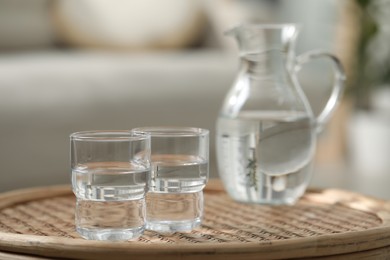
[110, 170]
[180, 159]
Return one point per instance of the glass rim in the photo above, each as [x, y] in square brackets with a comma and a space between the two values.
[109, 135]
[262, 26]
[269, 25]
[171, 131]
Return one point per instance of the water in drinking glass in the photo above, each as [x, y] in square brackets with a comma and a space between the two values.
[110, 199]
[179, 161]
[175, 198]
[178, 173]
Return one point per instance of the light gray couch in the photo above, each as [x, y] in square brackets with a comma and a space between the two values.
[47, 95]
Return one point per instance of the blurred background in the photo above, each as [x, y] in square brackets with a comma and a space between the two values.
[73, 65]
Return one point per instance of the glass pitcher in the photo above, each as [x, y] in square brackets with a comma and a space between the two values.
[266, 130]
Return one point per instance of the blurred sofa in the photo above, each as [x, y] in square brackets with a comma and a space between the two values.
[51, 86]
[47, 95]
[58, 76]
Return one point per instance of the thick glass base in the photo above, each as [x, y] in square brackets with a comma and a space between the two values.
[173, 226]
[110, 234]
[173, 212]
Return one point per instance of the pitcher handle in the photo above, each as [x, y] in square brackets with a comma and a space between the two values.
[338, 85]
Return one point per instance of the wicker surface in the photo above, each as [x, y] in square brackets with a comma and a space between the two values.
[328, 222]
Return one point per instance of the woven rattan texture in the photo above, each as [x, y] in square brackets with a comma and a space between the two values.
[224, 221]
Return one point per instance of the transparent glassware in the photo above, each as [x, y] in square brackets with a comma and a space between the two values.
[180, 169]
[110, 172]
[266, 130]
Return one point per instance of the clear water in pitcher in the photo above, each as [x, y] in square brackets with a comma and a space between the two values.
[266, 157]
